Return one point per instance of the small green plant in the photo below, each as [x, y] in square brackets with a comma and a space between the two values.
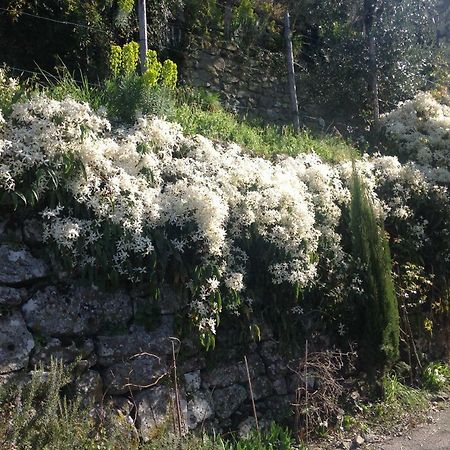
[76, 86]
[399, 401]
[169, 74]
[436, 376]
[115, 60]
[130, 58]
[275, 438]
[153, 69]
[126, 5]
[10, 92]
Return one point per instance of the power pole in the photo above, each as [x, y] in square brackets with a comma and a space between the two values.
[142, 14]
[291, 72]
[371, 13]
[227, 19]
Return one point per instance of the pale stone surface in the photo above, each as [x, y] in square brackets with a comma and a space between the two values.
[68, 352]
[114, 349]
[199, 409]
[33, 231]
[192, 381]
[16, 342]
[79, 311]
[135, 374]
[154, 408]
[280, 386]
[221, 376]
[261, 387]
[228, 400]
[255, 367]
[18, 265]
[89, 387]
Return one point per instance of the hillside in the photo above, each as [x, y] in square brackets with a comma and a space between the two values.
[148, 233]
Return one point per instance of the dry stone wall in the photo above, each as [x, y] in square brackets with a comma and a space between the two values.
[45, 313]
[254, 85]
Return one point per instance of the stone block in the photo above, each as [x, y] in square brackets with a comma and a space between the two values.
[10, 297]
[199, 409]
[78, 311]
[155, 412]
[227, 400]
[114, 349]
[133, 375]
[16, 342]
[18, 265]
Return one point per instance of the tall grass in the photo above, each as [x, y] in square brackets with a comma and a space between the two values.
[262, 140]
[198, 112]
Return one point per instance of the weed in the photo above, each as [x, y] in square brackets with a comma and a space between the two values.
[436, 376]
[399, 400]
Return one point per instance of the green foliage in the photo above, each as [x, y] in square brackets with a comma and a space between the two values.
[254, 24]
[130, 58]
[41, 418]
[204, 17]
[127, 94]
[190, 442]
[169, 74]
[126, 97]
[399, 400]
[115, 60]
[265, 140]
[42, 415]
[378, 310]
[336, 51]
[77, 87]
[126, 5]
[153, 69]
[245, 21]
[10, 92]
[275, 438]
[436, 376]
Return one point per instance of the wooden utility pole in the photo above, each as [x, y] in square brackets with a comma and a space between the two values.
[371, 12]
[228, 15]
[291, 72]
[142, 14]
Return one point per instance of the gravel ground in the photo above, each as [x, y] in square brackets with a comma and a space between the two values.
[432, 436]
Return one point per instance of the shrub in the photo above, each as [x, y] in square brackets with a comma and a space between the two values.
[128, 95]
[142, 201]
[44, 414]
[420, 131]
[9, 93]
[379, 312]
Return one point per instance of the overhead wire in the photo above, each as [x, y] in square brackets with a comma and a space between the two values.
[63, 22]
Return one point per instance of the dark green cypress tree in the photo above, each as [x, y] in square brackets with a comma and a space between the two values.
[379, 307]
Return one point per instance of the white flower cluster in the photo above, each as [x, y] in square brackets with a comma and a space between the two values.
[205, 198]
[421, 128]
[405, 195]
[8, 88]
